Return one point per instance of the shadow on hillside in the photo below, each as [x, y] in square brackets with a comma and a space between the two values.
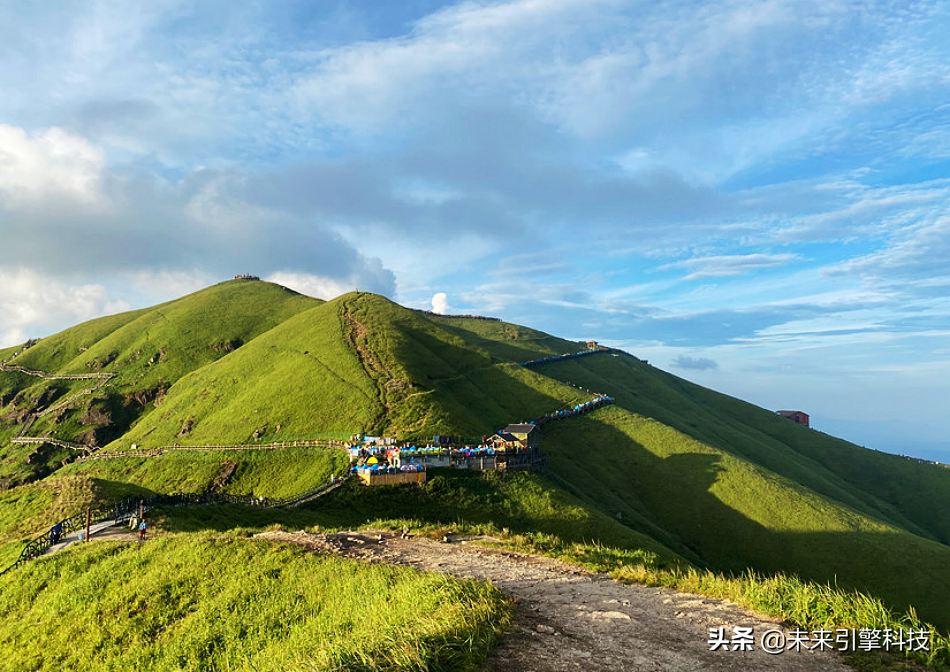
[880, 485]
[672, 499]
[233, 518]
[510, 351]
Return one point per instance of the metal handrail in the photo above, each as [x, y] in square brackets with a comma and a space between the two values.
[124, 510]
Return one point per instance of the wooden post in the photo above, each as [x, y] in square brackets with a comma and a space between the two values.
[88, 521]
[141, 509]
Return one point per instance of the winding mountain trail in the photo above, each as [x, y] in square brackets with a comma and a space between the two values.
[357, 334]
[70, 399]
[571, 619]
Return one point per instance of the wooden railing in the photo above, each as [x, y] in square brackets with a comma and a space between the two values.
[52, 441]
[161, 450]
[571, 355]
[11, 368]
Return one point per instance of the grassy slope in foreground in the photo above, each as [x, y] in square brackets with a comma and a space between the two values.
[543, 519]
[164, 605]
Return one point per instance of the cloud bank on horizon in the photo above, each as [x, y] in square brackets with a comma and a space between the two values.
[751, 193]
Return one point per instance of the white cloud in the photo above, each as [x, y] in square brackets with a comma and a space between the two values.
[729, 265]
[50, 164]
[440, 303]
[694, 363]
[64, 212]
[462, 48]
[155, 286]
[918, 258]
[314, 285]
[32, 304]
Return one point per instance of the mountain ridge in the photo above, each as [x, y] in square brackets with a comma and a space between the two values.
[713, 479]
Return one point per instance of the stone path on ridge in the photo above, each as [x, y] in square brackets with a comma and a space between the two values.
[571, 619]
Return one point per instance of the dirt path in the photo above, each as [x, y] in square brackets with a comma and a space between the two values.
[571, 619]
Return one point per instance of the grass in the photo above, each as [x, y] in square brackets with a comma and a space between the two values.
[149, 349]
[506, 342]
[520, 502]
[524, 513]
[191, 331]
[807, 605]
[725, 513]
[306, 378]
[673, 469]
[913, 496]
[487, 502]
[298, 378]
[266, 473]
[206, 602]
[29, 510]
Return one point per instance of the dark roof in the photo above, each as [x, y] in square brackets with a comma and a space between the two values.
[519, 429]
[505, 436]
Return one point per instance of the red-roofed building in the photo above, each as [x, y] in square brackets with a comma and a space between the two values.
[796, 416]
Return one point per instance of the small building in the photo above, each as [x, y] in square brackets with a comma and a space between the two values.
[397, 478]
[527, 435]
[795, 416]
[503, 442]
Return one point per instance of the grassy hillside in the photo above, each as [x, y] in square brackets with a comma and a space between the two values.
[298, 379]
[164, 606]
[731, 514]
[359, 363]
[266, 473]
[671, 470]
[506, 342]
[906, 494]
[167, 341]
[145, 352]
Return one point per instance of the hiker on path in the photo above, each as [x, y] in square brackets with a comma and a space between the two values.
[55, 533]
[143, 526]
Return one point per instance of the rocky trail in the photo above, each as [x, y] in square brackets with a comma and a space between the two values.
[572, 619]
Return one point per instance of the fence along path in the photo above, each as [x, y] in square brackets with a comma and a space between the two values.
[578, 409]
[102, 377]
[125, 509]
[118, 513]
[571, 355]
[54, 376]
[161, 450]
[55, 442]
[598, 400]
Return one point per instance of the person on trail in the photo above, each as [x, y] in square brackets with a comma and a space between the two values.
[55, 533]
[142, 528]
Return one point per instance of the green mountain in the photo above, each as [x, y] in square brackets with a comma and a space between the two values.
[671, 468]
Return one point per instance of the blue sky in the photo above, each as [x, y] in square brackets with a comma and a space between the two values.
[753, 195]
